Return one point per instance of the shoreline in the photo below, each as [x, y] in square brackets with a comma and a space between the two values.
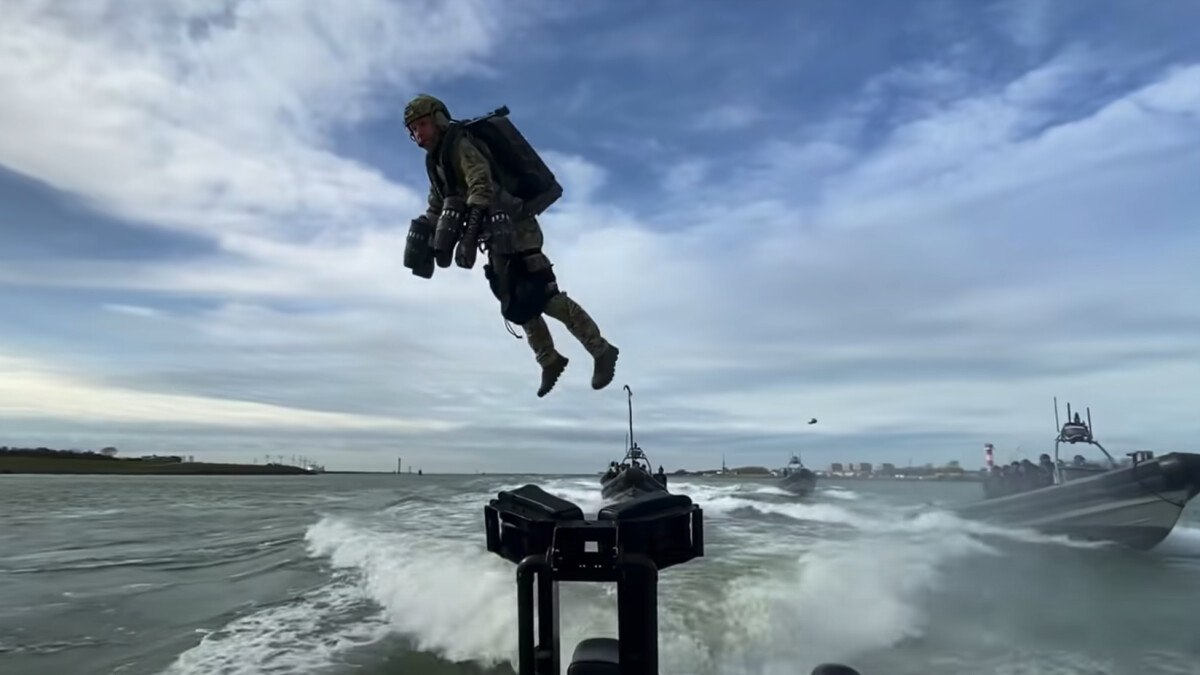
[86, 466]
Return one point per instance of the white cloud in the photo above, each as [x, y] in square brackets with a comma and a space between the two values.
[685, 176]
[729, 117]
[1026, 22]
[32, 390]
[130, 310]
[940, 282]
[212, 116]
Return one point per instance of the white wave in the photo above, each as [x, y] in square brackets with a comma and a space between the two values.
[829, 602]
[1183, 542]
[826, 513]
[449, 596]
[288, 639]
[771, 490]
[795, 603]
[583, 493]
[76, 513]
[894, 520]
[839, 493]
[836, 600]
[586, 493]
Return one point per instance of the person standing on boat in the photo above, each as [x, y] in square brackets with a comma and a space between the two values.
[518, 270]
[1047, 466]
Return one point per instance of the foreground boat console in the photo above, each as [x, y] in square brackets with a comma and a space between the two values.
[628, 543]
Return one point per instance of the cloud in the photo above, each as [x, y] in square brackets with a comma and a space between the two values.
[683, 177]
[1027, 22]
[212, 117]
[130, 310]
[729, 117]
[917, 256]
[34, 391]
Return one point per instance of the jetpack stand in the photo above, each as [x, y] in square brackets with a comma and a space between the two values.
[636, 644]
[628, 543]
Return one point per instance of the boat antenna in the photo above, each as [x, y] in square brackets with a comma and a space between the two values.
[1090, 429]
[1057, 424]
[629, 396]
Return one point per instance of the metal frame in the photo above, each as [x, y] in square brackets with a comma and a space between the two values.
[1081, 433]
[539, 646]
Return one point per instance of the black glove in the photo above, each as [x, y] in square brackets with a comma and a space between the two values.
[418, 250]
[449, 229]
[468, 246]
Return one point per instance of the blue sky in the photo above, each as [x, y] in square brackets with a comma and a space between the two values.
[916, 221]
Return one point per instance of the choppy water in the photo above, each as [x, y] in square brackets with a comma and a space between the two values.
[388, 574]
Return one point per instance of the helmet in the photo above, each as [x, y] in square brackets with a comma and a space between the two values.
[422, 105]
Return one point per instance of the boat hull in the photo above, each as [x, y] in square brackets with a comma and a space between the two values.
[801, 483]
[1135, 506]
[629, 483]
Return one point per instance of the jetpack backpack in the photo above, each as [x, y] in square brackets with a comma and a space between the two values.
[535, 184]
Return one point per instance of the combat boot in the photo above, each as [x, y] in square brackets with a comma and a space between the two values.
[606, 367]
[551, 372]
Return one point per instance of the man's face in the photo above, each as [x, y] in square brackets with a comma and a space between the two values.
[423, 131]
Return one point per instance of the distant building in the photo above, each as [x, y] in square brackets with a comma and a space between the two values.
[836, 467]
[887, 469]
[864, 468]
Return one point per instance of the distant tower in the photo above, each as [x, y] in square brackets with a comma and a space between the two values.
[399, 464]
[988, 451]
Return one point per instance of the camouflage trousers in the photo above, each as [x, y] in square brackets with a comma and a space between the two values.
[559, 307]
[575, 318]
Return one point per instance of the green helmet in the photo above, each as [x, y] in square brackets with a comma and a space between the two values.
[422, 105]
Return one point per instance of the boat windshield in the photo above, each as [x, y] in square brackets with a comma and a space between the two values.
[794, 465]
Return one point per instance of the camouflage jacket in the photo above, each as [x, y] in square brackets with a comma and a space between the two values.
[476, 181]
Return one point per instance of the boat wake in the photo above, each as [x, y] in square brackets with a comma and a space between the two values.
[829, 601]
[878, 521]
[292, 637]
[1183, 542]
[786, 585]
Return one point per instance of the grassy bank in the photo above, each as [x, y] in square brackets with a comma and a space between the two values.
[81, 465]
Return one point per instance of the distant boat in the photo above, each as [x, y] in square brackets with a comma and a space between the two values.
[797, 479]
[632, 476]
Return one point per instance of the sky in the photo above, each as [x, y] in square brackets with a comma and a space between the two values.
[915, 221]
